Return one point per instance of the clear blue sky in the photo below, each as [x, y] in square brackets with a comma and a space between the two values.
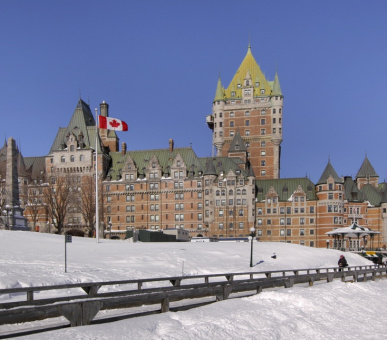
[156, 63]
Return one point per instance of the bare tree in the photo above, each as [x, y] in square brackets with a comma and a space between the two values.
[87, 202]
[34, 207]
[57, 197]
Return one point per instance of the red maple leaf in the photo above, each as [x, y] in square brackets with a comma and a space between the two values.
[114, 123]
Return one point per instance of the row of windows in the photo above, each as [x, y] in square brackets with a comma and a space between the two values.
[247, 113]
[72, 158]
[230, 192]
[289, 210]
[247, 122]
[153, 207]
[302, 232]
[288, 221]
[222, 203]
[230, 213]
[240, 225]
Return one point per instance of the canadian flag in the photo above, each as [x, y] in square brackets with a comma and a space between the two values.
[112, 123]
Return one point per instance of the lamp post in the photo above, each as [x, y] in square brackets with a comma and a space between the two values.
[7, 212]
[252, 234]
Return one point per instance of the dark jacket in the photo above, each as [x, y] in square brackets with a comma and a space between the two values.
[343, 262]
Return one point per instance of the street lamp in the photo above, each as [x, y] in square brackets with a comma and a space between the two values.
[7, 212]
[252, 234]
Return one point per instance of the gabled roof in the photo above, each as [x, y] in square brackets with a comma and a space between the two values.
[223, 165]
[82, 121]
[210, 168]
[35, 166]
[237, 144]
[329, 171]
[164, 156]
[366, 170]
[285, 187]
[352, 193]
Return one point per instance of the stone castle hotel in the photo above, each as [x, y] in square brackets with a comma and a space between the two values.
[220, 196]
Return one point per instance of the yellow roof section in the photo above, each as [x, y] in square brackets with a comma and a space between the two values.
[248, 66]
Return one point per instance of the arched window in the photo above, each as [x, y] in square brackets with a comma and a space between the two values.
[231, 192]
[238, 191]
[81, 158]
[244, 192]
[217, 192]
[63, 159]
[72, 158]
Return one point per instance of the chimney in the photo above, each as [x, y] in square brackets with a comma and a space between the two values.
[104, 109]
[171, 143]
[123, 148]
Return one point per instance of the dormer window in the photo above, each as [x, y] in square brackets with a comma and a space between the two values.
[262, 91]
[239, 86]
[178, 163]
[232, 93]
[247, 83]
[256, 83]
[71, 147]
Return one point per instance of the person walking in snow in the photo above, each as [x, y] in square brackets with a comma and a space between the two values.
[342, 262]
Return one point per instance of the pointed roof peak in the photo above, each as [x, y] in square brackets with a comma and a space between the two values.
[329, 171]
[276, 85]
[219, 93]
[210, 168]
[366, 169]
[237, 144]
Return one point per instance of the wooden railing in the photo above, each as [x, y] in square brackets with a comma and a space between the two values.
[80, 309]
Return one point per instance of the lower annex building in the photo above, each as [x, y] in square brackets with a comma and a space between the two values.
[221, 196]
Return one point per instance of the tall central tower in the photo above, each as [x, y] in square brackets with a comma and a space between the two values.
[252, 106]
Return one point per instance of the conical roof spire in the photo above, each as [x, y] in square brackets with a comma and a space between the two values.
[366, 170]
[329, 171]
[276, 86]
[219, 94]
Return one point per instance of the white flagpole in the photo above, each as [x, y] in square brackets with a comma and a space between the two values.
[96, 177]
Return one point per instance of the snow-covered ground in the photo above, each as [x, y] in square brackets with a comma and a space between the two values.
[325, 311]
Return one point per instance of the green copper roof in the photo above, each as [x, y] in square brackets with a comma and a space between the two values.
[36, 166]
[329, 171]
[366, 170]
[371, 194]
[352, 193]
[237, 143]
[81, 122]
[219, 94]
[164, 157]
[285, 187]
[224, 165]
[276, 86]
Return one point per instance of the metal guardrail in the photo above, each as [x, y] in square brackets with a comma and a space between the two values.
[81, 309]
